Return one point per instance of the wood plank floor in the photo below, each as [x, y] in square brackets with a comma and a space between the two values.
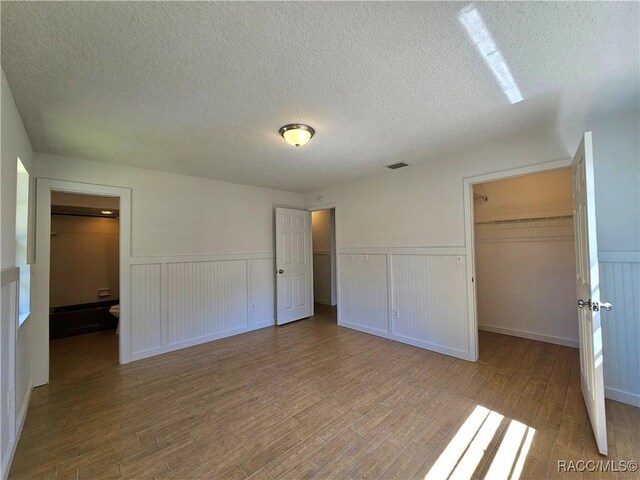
[73, 358]
[311, 400]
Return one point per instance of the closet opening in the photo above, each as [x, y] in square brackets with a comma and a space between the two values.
[525, 260]
[323, 233]
[84, 284]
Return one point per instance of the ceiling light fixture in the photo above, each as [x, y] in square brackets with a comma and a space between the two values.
[106, 212]
[297, 134]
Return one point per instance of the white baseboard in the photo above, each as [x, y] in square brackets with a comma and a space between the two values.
[22, 415]
[567, 342]
[622, 396]
[263, 324]
[322, 301]
[197, 341]
[410, 341]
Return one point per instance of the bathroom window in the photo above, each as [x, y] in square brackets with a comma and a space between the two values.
[22, 227]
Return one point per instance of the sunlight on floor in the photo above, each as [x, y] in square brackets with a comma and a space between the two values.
[466, 449]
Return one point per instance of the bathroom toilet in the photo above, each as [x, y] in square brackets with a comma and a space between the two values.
[115, 311]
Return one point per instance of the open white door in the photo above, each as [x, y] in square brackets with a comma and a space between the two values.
[293, 265]
[588, 290]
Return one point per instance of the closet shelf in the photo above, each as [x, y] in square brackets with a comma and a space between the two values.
[555, 238]
[525, 220]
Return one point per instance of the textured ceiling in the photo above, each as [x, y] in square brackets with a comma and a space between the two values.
[201, 88]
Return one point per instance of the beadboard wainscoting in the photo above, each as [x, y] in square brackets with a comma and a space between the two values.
[413, 295]
[16, 381]
[9, 303]
[620, 285]
[416, 296]
[180, 301]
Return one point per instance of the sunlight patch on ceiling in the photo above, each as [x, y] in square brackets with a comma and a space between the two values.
[481, 37]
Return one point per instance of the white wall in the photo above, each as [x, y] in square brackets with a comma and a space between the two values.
[525, 272]
[181, 215]
[616, 149]
[536, 195]
[422, 205]
[324, 257]
[527, 289]
[16, 375]
[321, 230]
[202, 252]
[419, 211]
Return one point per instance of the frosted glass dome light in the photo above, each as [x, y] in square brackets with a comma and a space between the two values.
[297, 134]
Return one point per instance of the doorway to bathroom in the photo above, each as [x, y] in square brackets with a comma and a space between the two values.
[41, 279]
[84, 285]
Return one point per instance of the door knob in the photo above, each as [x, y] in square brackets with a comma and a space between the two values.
[595, 306]
[280, 271]
[582, 304]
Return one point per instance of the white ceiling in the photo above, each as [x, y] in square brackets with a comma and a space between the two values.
[202, 88]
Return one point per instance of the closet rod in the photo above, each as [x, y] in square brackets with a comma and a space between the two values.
[523, 220]
[96, 215]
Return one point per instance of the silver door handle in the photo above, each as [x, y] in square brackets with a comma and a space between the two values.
[595, 306]
[606, 306]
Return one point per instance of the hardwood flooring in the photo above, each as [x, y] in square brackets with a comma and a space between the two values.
[311, 400]
[73, 358]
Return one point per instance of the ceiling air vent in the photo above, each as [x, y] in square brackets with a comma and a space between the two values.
[395, 166]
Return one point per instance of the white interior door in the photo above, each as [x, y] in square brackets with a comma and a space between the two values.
[588, 290]
[293, 265]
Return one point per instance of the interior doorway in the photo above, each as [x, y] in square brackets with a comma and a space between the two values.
[41, 306]
[306, 264]
[525, 257]
[324, 260]
[324, 256]
[84, 300]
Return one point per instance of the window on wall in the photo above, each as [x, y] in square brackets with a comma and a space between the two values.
[22, 227]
